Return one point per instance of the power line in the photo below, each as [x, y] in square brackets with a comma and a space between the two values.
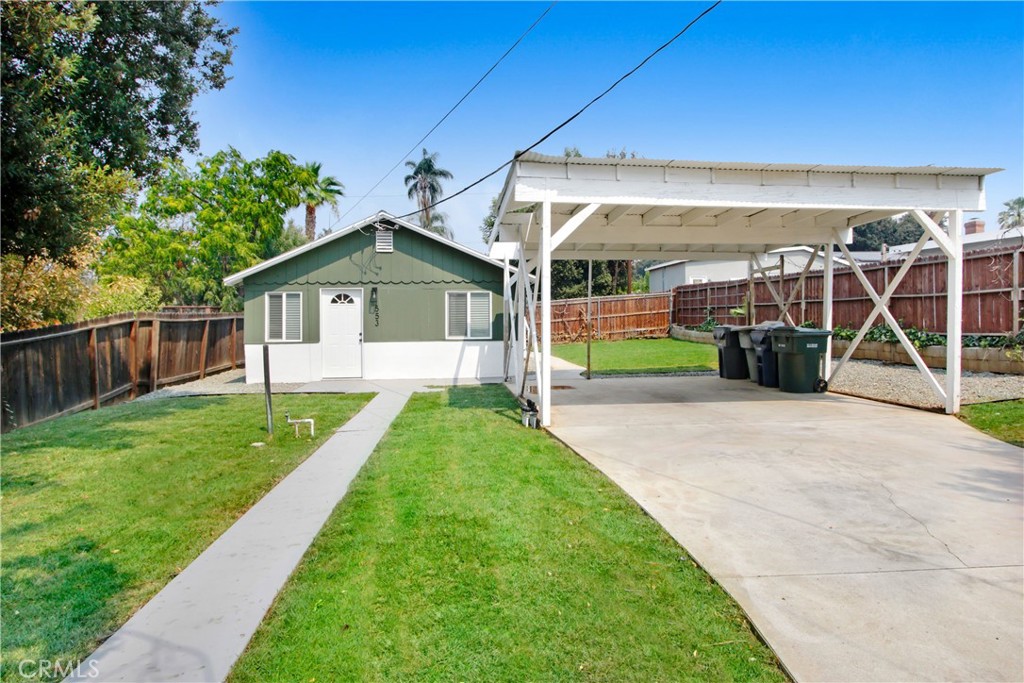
[569, 120]
[449, 113]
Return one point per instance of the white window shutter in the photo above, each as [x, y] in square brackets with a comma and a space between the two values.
[275, 317]
[480, 315]
[293, 316]
[457, 314]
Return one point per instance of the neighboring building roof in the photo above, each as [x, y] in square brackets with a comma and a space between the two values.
[977, 240]
[238, 277]
[743, 257]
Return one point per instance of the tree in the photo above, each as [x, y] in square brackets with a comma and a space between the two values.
[94, 94]
[439, 225]
[197, 227]
[1013, 216]
[51, 203]
[141, 66]
[424, 185]
[316, 192]
[889, 231]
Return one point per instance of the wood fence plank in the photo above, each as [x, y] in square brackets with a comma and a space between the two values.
[94, 369]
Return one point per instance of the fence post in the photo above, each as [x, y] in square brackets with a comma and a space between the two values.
[234, 343]
[203, 346]
[266, 389]
[1015, 294]
[133, 357]
[94, 369]
[154, 354]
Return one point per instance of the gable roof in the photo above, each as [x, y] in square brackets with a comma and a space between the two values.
[238, 277]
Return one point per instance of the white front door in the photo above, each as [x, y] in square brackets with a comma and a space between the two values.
[341, 332]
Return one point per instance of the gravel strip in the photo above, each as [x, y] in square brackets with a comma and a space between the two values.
[904, 384]
[227, 382]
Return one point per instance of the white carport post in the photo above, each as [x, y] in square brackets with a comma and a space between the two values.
[826, 307]
[954, 310]
[544, 375]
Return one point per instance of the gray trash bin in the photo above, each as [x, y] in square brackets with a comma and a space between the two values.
[732, 362]
[749, 349]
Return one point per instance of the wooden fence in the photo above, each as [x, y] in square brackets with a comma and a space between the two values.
[613, 317]
[991, 301]
[64, 369]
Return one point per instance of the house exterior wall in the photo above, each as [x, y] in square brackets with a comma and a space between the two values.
[406, 339]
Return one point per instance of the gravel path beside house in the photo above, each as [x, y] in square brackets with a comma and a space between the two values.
[904, 384]
[227, 382]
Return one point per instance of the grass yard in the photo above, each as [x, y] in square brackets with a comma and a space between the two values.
[470, 548]
[641, 356]
[101, 509]
[1003, 419]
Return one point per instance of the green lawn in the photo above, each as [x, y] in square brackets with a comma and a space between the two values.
[641, 356]
[472, 549]
[101, 509]
[1004, 420]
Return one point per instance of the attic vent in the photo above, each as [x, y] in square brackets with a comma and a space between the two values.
[385, 241]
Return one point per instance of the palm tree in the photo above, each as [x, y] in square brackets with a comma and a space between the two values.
[316, 192]
[439, 225]
[424, 183]
[1013, 216]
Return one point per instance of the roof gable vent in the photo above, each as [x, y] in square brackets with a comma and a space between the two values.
[385, 241]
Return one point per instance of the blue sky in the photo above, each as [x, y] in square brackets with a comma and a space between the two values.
[355, 85]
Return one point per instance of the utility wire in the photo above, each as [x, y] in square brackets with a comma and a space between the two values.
[443, 118]
[569, 120]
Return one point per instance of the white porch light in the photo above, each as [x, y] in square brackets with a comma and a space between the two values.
[554, 207]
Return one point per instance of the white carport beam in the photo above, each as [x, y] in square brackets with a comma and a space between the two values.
[894, 325]
[618, 212]
[544, 388]
[954, 311]
[570, 226]
[933, 230]
[771, 288]
[693, 215]
[654, 214]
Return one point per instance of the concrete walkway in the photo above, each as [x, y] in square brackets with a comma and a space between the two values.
[199, 624]
[866, 542]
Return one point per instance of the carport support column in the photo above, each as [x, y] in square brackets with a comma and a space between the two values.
[544, 388]
[954, 310]
[826, 307]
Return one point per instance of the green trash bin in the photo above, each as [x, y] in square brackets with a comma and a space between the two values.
[800, 352]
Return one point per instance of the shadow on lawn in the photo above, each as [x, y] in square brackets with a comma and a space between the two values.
[116, 427]
[492, 397]
[76, 575]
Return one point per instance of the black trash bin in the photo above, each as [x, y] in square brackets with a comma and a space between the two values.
[732, 361]
[767, 360]
[747, 344]
[800, 352]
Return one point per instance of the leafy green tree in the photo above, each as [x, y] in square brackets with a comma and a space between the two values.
[889, 231]
[51, 203]
[120, 294]
[316, 192]
[424, 185]
[141, 66]
[196, 227]
[1013, 216]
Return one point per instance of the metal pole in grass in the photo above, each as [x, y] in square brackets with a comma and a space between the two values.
[266, 389]
[590, 281]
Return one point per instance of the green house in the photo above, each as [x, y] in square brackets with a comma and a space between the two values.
[381, 299]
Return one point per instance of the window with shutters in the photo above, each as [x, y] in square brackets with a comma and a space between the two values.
[468, 315]
[284, 316]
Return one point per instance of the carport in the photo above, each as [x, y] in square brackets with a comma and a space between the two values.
[554, 207]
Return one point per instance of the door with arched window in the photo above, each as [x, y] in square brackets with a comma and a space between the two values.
[341, 332]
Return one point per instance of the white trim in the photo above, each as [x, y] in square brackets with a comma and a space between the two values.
[238, 277]
[284, 317]
[362, 355]
[469, 315]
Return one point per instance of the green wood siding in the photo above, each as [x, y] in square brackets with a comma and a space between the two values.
[411, 284]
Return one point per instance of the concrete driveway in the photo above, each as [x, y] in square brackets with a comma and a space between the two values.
[866, 542]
